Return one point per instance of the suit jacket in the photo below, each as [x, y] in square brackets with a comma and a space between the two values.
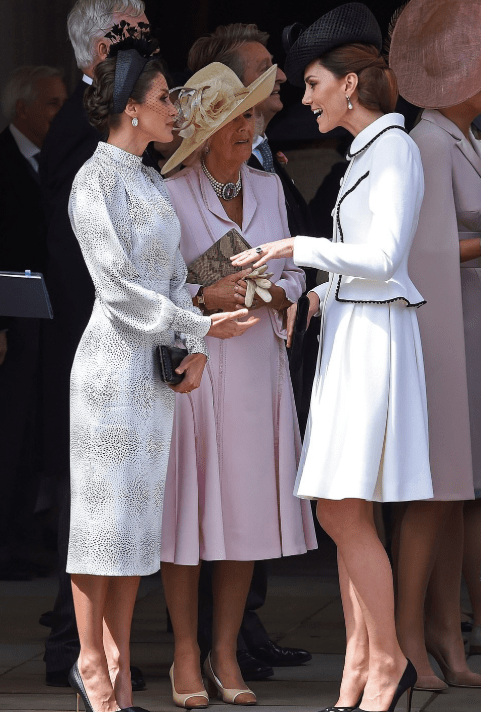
[298, 215]
[70, 142]
[22, 226]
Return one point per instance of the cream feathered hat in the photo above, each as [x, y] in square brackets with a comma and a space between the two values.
[214, 96]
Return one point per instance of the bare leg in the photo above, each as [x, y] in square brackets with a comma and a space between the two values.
[89, 595]
[443, 631]
[118, 612]
[472, 555]
[181, 585]
[356, 663]
[231, 584]
[419, 540]
[350, 523]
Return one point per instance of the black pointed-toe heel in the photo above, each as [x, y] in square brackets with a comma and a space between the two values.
[343, 709]
[77, 684]
[405, 686]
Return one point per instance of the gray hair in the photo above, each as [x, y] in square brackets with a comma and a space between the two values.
[222, 45]
[22, 84]
[89, 20]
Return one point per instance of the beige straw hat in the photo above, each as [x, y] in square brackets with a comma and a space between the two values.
[435, 52]
[212, 97]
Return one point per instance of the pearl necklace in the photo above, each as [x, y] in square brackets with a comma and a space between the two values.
[227, 191]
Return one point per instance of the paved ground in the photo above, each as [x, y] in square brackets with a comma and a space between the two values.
[303, 609]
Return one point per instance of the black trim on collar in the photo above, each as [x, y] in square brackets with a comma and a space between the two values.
[341, 237]
[350, 155]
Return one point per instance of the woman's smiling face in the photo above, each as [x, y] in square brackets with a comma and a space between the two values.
[325, 94]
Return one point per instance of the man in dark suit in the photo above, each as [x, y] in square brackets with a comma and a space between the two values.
[243, 48]
[70, 142]
[30, 100]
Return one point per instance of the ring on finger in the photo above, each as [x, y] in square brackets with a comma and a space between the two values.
[259, 250]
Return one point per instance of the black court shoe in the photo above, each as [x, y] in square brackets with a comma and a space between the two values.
[77, 684]
[343, 709]
[406, 685]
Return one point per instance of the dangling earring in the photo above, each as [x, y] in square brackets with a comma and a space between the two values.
[135, 121]
[349, 105]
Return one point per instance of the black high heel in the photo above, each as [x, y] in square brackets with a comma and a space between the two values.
[405, 685]
[343, 709]
[77, 684]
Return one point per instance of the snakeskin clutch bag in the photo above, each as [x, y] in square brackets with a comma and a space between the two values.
[214, 263]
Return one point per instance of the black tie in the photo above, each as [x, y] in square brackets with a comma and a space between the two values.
[267, 159]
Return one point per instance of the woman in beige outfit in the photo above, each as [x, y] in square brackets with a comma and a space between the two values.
[429, 58]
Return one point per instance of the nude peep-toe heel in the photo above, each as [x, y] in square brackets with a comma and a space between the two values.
[181, 700]
[215, 687]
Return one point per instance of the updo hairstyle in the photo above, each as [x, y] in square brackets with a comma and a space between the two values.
[377, 86]
[98, 98]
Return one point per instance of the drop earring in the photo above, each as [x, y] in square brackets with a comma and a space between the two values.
[349, 105]
[135, 121]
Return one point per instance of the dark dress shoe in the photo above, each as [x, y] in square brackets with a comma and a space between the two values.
[138, 682]
[59, 678]
[251, 668]
[276, 656]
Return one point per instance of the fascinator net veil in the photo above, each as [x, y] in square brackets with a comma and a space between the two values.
[133, 48]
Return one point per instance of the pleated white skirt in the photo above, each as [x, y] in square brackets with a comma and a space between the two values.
[367, 433]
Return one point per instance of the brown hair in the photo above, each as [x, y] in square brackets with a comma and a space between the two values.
[222, 45]
[98, 98]
[377, 87]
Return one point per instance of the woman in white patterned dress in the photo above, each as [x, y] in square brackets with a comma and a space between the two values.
[121, 411]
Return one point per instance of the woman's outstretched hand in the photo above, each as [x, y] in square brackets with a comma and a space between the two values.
[270, 251]
[193, 367]
[225, 325]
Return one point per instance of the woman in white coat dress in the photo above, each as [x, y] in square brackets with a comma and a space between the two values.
[121, 410]
[367, 435]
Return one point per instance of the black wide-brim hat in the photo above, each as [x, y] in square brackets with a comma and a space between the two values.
[347, 24]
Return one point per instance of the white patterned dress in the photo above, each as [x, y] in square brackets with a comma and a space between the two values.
[121, 412]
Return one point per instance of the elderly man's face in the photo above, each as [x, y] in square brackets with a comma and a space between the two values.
[257, 59]
[37, 116]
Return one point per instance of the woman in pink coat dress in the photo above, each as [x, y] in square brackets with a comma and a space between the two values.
[437, 73]
[235, 445]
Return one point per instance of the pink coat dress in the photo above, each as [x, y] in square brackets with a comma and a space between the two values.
[235, 442]
[450, 322]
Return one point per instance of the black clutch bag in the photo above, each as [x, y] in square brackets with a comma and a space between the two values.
[170, 358]
[300, 328]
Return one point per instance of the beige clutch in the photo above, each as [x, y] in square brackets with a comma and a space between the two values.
[214, 263]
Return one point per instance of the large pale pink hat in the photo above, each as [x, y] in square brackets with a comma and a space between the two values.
[436, 52]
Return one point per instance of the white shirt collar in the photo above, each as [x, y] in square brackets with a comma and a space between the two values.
[258, 140]
[87, 79]
[26, 147]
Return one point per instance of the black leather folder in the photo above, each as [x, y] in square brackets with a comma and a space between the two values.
[24, 294]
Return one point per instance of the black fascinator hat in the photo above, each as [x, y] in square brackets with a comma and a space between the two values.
[133, 48]
[347, 24]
